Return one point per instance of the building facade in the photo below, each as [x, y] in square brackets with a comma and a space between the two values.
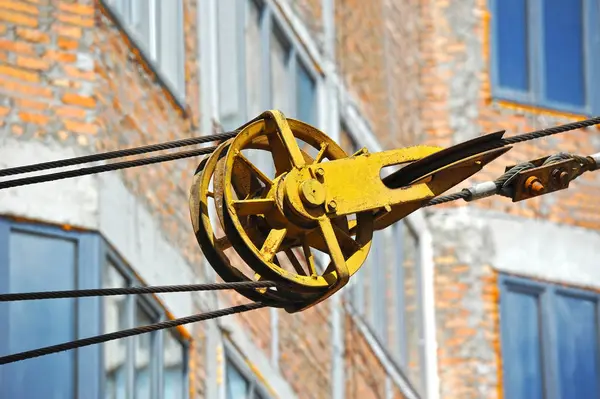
[489, 299]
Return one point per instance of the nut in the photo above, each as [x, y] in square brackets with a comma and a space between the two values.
[534, 186]
[332, 205]
[560, 177]
[320, 172]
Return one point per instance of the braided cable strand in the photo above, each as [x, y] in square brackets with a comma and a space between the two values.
[134, 290]
[128, 333]
[551, 131]
[116, 154]
[104, 168]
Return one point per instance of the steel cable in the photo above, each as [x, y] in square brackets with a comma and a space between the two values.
[28, 296]
[116, 154]
[104, 168]
[128, 333]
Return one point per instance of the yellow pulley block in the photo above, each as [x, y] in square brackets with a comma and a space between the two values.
[312, 199]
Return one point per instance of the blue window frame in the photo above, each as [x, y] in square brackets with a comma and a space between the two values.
[550, 340]
[547, 53]
[41, 258]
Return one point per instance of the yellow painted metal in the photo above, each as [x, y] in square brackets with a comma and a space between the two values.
[301, 222]
[274, 223]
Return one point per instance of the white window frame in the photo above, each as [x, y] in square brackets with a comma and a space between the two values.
[235, 358]
[271, 21]
[171, 76]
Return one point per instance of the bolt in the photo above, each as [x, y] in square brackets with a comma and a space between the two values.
[320, 172]
[332, 205]
[560, 177]
[534, 186]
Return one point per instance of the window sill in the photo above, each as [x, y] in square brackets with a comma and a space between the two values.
[140, 55]
[535, 109]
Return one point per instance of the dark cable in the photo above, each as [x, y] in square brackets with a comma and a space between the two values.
[104, 168]
[116, 154]
[28, 296]
[449, 198]
[503, 182]
[551, 131]
[128, 333]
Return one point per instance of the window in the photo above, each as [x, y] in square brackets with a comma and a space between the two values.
[35, 258]
[157, 28]
[241, 384]
[549, 340]
[546, 53]
[154, 362]
[260, 66]
[386, 294]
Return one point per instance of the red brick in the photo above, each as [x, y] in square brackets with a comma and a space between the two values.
[67, 44]
[60, 56]
[32, 63]
[13, 86]
[32, 35]
[80, 127]
[76, 99]
[17, 130]
[31, 104]
[19, 73]
[37, 119]
[15, 5]
[81, 9]
[76, 20]
[76, 73]
[70, 112]
[73, 32]
[18, 19]
[16, 47]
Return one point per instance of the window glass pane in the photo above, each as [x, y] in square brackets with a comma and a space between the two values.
[254, 74]
[115, 319]
[511, 42]
[236, 385]
[412, 316]
[171, 49]
[140, 23]
[563, 49]
[280, 92]
[306, 96]
[173, 369]
[521, 355]
[39, 263]
[377, 277]
[230, 64]
[577, 338]
[143, 355]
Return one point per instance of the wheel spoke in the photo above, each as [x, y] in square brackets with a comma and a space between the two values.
[254, 170]
[349, 246]
[253, 206]
[321, 153]
[295, 262]
[335, 251]
[284, 148]
[222, 243]
[310, 259]
[272, 243]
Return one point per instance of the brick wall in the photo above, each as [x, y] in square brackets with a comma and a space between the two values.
[458, 105]
[379, 59]
[69, 75]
